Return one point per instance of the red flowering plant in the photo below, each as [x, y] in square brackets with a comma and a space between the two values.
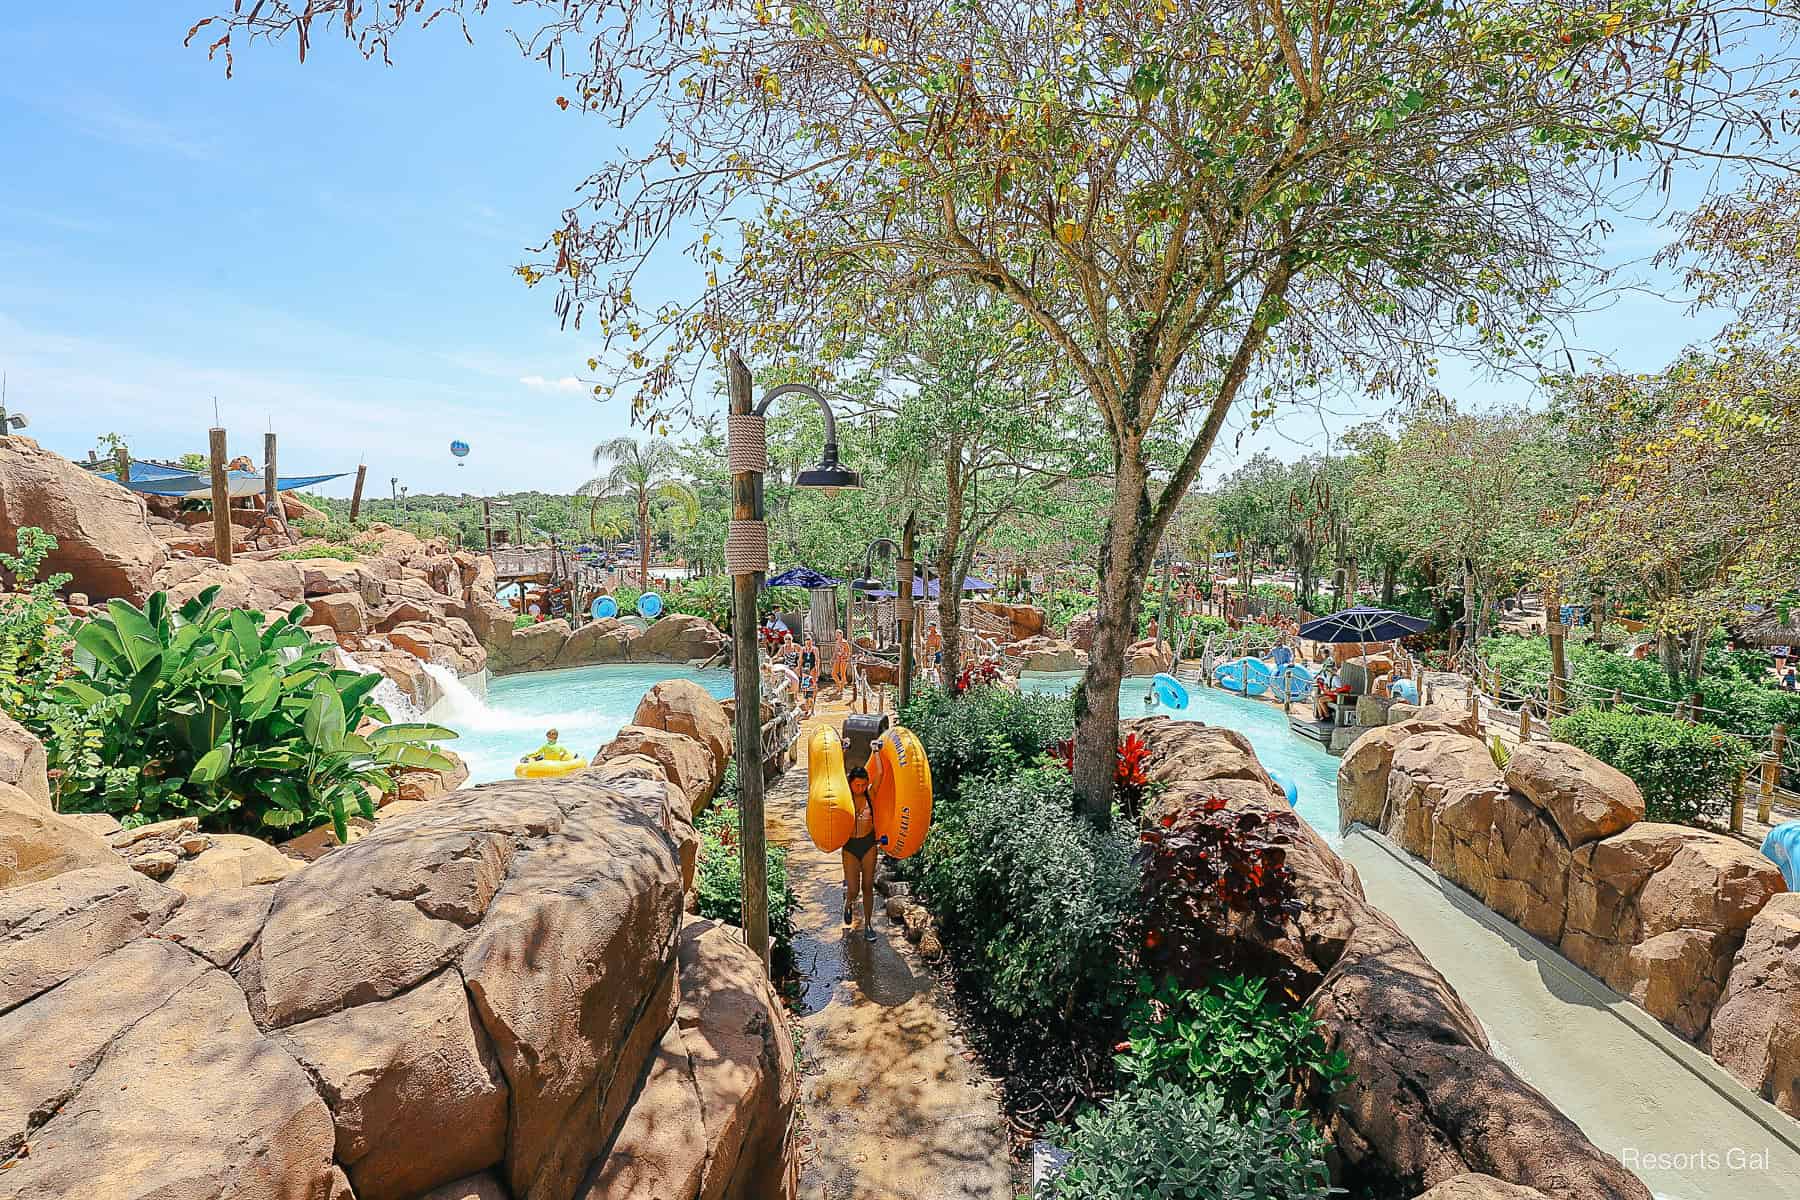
[1216, 892]
[976, 675]
[1131, 779]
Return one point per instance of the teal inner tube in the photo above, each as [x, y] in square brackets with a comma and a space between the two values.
[649, 604]
[1287, 787]
[604, 607]
[1245, 676]
[1170, 692]
[1292, 682]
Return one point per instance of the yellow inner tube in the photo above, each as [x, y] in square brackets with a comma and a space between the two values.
[548, 768]
[902, 800]
[830, 812]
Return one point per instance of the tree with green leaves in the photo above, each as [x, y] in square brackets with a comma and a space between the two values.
[638, 472]
[1203, 207]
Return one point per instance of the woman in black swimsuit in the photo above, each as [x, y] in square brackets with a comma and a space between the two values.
[809, 673]
[859, 854]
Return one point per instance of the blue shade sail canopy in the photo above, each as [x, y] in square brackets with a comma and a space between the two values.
[149, 479]
[1363, 624]
[972, 584]
[801, 577]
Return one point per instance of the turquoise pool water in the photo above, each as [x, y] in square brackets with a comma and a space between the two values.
[586, 705]
[1312, 770]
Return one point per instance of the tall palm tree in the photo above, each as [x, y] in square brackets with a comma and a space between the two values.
[639, 472]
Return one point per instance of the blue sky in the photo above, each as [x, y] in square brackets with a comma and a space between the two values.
[327, 247]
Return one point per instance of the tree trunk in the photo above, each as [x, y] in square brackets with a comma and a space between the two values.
[1124, 563]
[1696, 662]
[949, 588]
[643, 516]
[1387, 583]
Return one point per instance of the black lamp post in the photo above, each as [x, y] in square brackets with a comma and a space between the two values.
[747, 558]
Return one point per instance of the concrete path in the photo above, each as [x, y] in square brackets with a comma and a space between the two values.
[893, 1104]
[1669, 1113]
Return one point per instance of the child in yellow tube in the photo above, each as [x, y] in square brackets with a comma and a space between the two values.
[859, 851]
[550, 751]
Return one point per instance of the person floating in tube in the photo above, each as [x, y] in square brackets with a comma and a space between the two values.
[859, 852]
[550, 751]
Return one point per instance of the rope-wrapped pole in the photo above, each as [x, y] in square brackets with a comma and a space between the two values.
[747, 557]
[904, 609]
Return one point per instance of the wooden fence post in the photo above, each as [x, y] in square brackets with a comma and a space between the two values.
[1693, 711]
[1737, 803]
[221, 496]
[1525, 722]
[1771, 773]
[362, 473]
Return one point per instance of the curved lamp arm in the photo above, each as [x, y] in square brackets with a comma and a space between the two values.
[805, 389]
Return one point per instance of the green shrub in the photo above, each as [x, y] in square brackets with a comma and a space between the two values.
[709, 598]
[217, 715]
[1031, 901]
[341, 553]
[983, 730]
[719, 879]
[1165, 1142]
[1230, 1037]
[1685, 771]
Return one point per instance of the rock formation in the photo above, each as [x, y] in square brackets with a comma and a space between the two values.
[493, 995]
[1665, 914]
[1428, 1105]
[102, 530]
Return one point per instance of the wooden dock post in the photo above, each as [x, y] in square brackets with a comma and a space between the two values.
[221, 496]
[362, 473]
[1771, 773]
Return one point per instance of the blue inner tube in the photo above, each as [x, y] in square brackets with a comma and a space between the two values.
[1404, 690]
[1292, 682]
[1170, 691]
[604, 607]
[649, 604]
[1782, 847]
[1287, 786]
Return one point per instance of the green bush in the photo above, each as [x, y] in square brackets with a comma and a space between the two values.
[1165, 1142]
[719, 878]
[341, 553]
[215, 714]
[1031, 901]
[985, 729]
[1230, 1037]
[1685, 771]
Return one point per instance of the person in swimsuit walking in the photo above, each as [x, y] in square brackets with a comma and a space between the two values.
[859, 854]
[809, 672]
[840, 661]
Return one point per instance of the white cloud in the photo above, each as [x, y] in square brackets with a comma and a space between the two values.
[537, 383]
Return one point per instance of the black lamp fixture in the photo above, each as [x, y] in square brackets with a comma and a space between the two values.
[829, 474]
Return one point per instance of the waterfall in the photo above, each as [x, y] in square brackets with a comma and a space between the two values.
[460, 709]
[387, 693]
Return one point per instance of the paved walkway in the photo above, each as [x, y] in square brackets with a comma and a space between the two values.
[1666, 1110]
[894, 1106]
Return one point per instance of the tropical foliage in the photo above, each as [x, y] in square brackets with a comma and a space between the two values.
[1686, 772]
[231, 718]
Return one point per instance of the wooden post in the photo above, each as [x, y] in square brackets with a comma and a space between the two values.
[1525, 722]
[221, 497]
[1737, 803]
[1693, 711]
[1771, 773]
[277, 513]
[362, 473]
[487, 522]
[121, 463]
[1618, 699]
[746, 505]
[1559, 665]
[904, 608]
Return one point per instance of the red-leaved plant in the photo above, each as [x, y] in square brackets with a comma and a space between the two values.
[1216, 890]
[984, 672]
[1131, 780]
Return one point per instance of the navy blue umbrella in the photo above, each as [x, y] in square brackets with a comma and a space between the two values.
[1363, 624]
[801, 577]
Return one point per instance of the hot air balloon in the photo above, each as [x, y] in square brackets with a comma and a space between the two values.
[460, 449]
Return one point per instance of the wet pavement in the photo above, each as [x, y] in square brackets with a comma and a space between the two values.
[895, 1108]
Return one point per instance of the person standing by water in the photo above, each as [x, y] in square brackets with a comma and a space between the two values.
[808, 666]
[840, 662]
[859, 855]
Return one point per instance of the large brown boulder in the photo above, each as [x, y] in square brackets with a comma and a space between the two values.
[687, 763]
[228, 861]
[37, 844]
[334, 576]
[603, 641]
[683, 706]
[1149, 657]
[1659, 912]
[22, 761]
[447, 641]
[1480, 1187]
[1363, 771]
[1426, 1101]
[341, 612]
[531, 648]
[102, 530]
[1755, 1031]
[1431, 771]
[1587, 799]
[52, 929]
[1046, 654]
[679, 637]
[161, 1088]
[274, 586]
[1528, 866]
